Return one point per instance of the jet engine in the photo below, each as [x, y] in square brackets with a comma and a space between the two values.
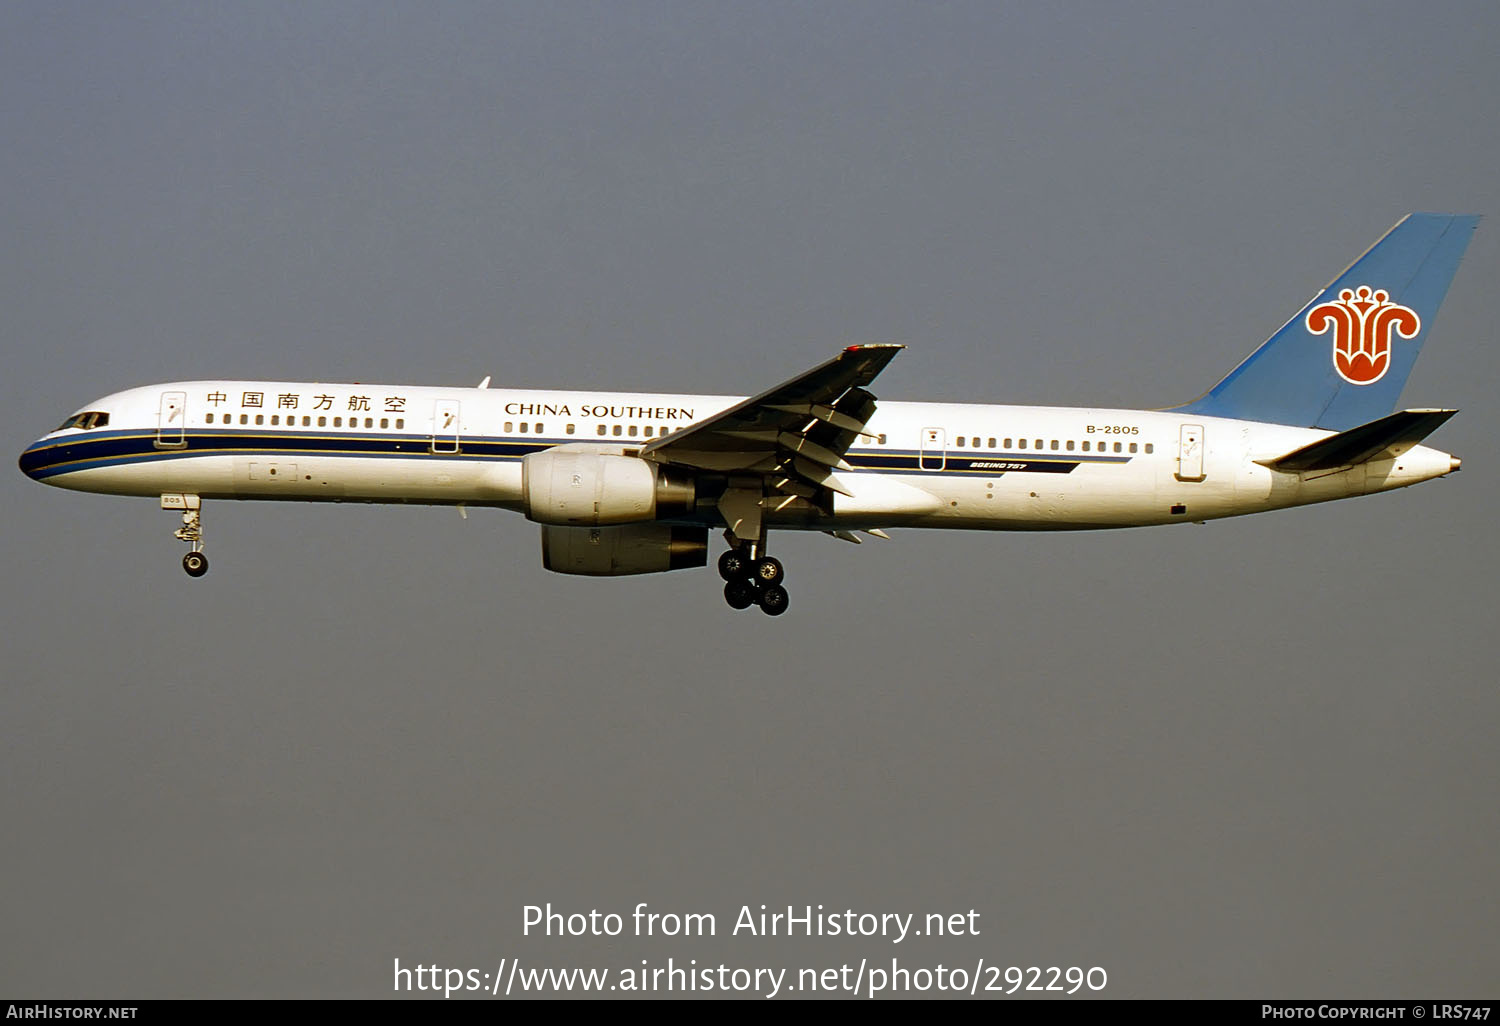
[586, 488]
[617, 551]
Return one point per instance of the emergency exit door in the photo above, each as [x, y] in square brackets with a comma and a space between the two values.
[934, 451]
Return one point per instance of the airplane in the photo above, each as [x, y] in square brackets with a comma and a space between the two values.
[633, 483]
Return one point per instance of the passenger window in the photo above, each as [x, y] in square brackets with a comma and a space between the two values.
[338, 421]
[974, 442]
[260, 418]
[1022, 445]
[1132, 447]
[523, 427]
[992, 443]
[208, 419]
[322, 422]
[400, 422]
[1038, 443]
[1008, 443]
[960, 441]
[244, 418]
[1070, 445]
[647, 430]
[603, 429]
[1085, 446]
[307, 422]
[1149, 448]
[882, 439]
[385, 422]
[1054, 445]
[634, 431]
[1117, 447]
[570, 429]
[275, 419]
[618, 431]
[369, 422]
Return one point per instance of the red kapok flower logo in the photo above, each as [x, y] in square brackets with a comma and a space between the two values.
[1363, 320]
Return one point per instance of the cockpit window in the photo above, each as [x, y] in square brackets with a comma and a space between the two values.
[85, 421]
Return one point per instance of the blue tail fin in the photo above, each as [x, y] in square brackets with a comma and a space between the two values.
[1344, 358]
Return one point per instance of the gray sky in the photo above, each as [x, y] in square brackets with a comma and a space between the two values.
[1248, 759]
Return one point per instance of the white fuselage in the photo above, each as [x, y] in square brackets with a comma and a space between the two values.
[944, 465]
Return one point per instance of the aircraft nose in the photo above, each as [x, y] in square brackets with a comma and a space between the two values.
[33, 461]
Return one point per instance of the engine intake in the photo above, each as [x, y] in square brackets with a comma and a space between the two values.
[586, 488]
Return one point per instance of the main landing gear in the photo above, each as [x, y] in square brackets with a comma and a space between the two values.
[752, 579]
[191, 531]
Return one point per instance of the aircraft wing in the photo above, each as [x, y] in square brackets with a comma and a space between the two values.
[795, 434]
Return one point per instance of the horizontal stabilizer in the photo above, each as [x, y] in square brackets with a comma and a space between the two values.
[1389, 436]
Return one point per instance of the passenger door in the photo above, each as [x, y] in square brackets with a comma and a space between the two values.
[171, 421]
[1190, 453]
[445, 425]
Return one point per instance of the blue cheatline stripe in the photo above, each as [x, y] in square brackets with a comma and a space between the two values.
[87, 452]
[94, 450]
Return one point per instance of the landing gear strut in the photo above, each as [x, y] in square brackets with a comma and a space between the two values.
[191, 531]
[752, 578]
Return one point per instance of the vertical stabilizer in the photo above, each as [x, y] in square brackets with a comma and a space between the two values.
[1344, 358]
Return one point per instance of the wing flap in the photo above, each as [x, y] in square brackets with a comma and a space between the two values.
[784, 445]
[815, 416]
[823, 413]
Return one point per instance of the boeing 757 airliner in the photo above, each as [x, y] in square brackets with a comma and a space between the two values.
[633, 483]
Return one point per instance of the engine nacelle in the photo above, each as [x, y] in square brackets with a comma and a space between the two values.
[582, 487]
[617, 551]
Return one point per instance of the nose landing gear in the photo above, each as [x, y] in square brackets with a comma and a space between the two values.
[752, 579]
[195, 563]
